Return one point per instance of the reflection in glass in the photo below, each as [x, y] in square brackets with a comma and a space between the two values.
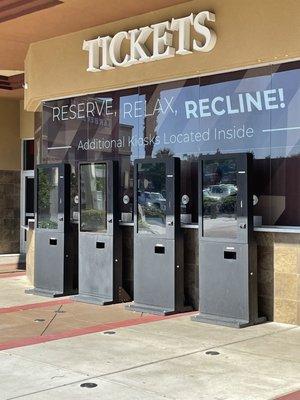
[285, 150]
[167, 120]
[47, 202]
[189, 175]
[28, 155]
[93, 197]
[220, 198]
[152, 198]
[164, 126]
[73, 196]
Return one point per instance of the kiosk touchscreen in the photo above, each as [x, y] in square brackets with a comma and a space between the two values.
[227, 250]
[158, 247]
[55, 236]
[100, 246]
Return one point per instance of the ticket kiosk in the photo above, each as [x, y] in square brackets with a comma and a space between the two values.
[55, 237]
[158, 246]
[227, 250]
[100, 246]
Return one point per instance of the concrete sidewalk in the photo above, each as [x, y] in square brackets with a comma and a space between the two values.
[166, 359]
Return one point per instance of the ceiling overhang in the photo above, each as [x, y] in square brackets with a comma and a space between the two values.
[23, 22]
[11, 82]
[10, 9]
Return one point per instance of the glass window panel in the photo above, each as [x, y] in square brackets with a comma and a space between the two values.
[285, 148]
[103, 127]
[74, 217]
[165, 128]
[220, 198]
[128, 134]
[28, 155]
[93, 197]
[237, 118]
[254, 110]
[189, 191]
[47, 202]
[29, 195]
[234, 114]
[65, 129]
[152, 198]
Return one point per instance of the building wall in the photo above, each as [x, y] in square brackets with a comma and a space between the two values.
[9, 212]
[15, 124]
[26, 123]
[10, 135]
[9, 176]
[250, 32]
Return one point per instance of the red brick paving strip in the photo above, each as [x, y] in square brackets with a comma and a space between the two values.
[11, 274]
[14, 267]
[31, 306]
[87, 330]
[290, 396]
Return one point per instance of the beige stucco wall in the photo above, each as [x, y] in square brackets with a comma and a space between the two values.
[250, 32]
[15, 124]
[9, 135]
[26, 123]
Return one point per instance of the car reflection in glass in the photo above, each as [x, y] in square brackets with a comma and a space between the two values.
[152, 200]
[219, 192]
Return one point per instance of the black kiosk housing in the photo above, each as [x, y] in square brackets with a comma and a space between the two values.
[100, 240]
[158, 242]
[56, 251]
[227, 249]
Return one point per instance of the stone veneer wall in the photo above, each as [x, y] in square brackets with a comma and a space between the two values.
[279, 276]
[9, 212]
[265, 274]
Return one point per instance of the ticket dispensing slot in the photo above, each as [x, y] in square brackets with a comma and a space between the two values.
[230, 255]
[159, 249]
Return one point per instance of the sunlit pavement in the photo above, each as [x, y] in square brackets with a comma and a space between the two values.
[52, 348]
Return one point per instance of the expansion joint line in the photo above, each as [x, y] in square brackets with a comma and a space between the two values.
[51, 320]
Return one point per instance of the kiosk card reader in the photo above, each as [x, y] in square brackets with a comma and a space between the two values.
[227, 251]
[55, 236]
[100, 241]
[158, 247]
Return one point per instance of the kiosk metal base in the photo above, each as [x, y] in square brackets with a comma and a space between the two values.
[45, 293]
[145, 308]
[92, 300]
[226, 321]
